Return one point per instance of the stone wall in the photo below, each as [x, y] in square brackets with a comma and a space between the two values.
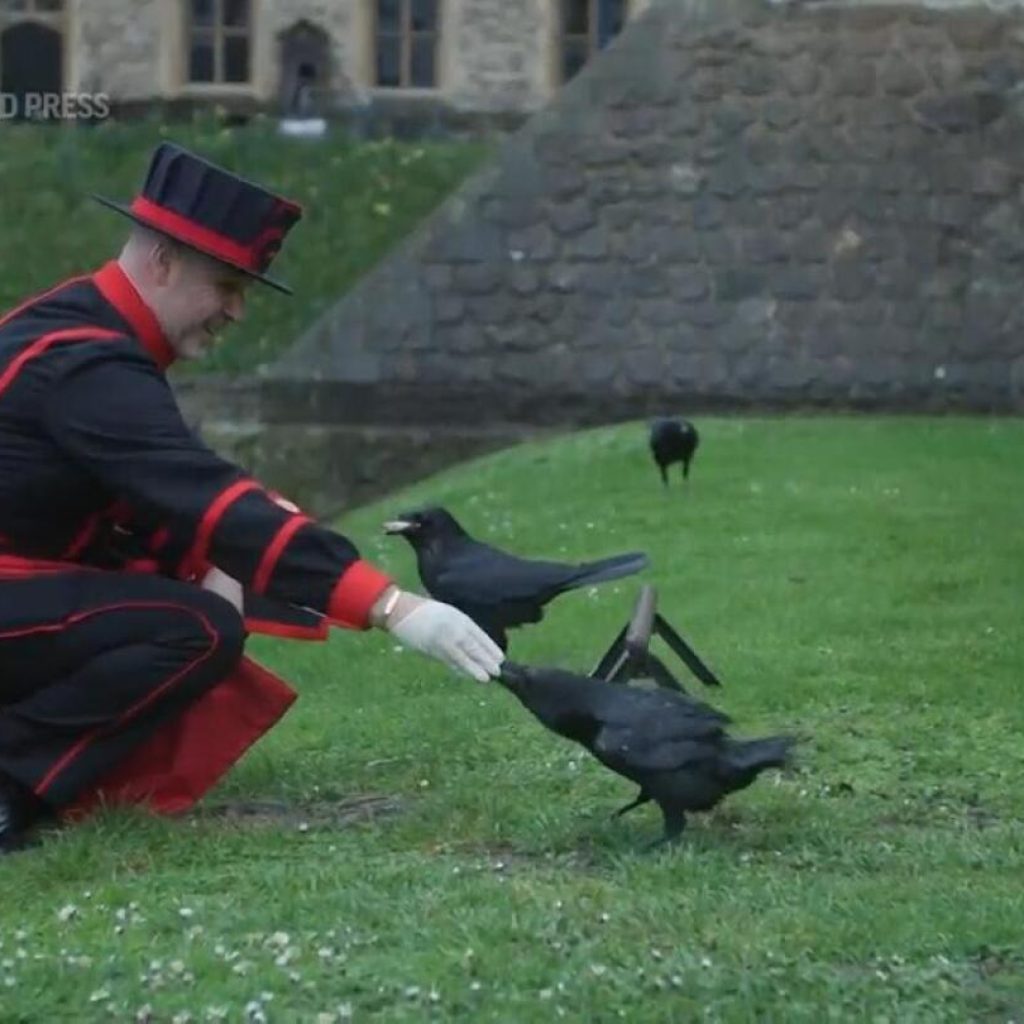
[737, 204]
[496, 61]
[116, 50]
[327, 467]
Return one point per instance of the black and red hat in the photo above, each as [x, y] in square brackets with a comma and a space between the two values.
[212, 210]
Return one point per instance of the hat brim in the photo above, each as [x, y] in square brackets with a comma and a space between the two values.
[132, 215]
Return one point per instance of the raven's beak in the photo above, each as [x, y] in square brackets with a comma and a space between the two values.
[396, 526]
[513, 673]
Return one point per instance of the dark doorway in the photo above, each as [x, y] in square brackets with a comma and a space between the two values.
[305, 70]
[31, 61]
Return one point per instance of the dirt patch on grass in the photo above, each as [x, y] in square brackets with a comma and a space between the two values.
[320, 814]
[941, 810]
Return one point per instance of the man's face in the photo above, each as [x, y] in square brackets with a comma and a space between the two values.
[200, 297]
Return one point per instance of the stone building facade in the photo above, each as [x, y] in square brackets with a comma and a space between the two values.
[739, 203]
[322, 56]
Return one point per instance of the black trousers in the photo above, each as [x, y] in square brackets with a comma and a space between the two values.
[91, 663]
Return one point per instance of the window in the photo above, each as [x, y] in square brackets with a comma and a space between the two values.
[586, 26]
[406, 44]
[218, 37]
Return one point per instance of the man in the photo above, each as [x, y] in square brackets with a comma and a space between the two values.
[132, 556]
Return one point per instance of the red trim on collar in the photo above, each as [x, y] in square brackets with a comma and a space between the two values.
[116, 287]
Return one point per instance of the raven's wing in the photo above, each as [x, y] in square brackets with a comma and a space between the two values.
[480, 574]
[472, 573]
[647, 745]
[615, 704]
[653, 729]
[496, 590]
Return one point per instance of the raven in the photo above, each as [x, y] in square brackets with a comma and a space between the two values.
[673, 746]
[673, 440]
[496, 590]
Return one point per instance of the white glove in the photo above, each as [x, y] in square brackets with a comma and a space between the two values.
[445, 633]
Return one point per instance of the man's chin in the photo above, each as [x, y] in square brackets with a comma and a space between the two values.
[196, 347]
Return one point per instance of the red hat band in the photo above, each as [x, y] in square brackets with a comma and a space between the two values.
[174, 224]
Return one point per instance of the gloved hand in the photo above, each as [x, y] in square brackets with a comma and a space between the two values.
[444, 633]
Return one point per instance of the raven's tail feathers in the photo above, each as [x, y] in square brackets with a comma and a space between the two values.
[748, 757]
[608, 569]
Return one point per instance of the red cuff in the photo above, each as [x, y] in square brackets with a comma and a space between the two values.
[355, 594]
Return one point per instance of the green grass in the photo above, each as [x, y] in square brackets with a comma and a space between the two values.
[856, 580]
[360, 199]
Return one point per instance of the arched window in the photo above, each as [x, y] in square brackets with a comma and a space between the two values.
[218, 35]
[585, 27]
[406, 36]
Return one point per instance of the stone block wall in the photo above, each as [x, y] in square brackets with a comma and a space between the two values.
[496, 59]
[115, 50]
[736, 204]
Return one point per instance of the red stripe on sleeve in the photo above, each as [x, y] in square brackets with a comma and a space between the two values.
[288, 630]
[211, 517]
[274, 549]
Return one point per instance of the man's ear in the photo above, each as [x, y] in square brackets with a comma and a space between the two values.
[161, 259]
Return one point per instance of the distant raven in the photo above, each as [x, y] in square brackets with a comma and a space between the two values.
[497, 590]
[674, 747]
[673, 440]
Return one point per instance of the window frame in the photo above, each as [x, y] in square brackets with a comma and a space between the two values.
[218, 32]
[407, 36]
[590, 38]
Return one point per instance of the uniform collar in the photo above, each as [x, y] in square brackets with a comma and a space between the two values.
[117, 288]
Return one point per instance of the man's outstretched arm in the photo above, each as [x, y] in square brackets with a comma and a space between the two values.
[112, 412]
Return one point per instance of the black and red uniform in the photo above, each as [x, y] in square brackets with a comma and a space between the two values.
[110, 510]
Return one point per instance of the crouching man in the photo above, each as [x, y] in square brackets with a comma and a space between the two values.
[133, 559]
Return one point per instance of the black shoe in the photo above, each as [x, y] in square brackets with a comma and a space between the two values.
[19, 810]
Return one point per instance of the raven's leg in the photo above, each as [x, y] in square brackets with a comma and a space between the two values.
[642, 798]
[663, 469]
[686, 469]
[675, 822]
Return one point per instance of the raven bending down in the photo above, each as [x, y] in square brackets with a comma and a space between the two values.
[674, 747]
[496, 590]
[673, 440]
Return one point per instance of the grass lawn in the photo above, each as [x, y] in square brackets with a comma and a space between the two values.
[360, 199]
[858, 580]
